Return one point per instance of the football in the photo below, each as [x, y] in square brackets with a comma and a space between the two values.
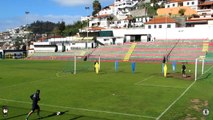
[58, 113]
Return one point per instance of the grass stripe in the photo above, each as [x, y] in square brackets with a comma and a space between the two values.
[15, 85]
[82, 109]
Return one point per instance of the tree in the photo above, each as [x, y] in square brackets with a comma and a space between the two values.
[96, 7]
[61, 27]
[181, 12]
[151, 10]
[18, 43]
[73, 29]
[40, 27]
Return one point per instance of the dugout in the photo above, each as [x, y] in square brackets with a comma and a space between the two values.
[1, 54]
[14, 54]
[137, 37]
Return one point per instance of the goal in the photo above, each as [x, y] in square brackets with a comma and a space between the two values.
[85, 63]
[203, 68]
[80, 64]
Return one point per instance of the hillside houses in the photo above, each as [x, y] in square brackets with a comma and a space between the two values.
[126, 21]
[125, 13]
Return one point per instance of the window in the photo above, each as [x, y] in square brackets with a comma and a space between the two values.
[160, 26]
[173, 5]
[204, 14]
[168, 6]
[169, 26]
[155, 26]
[193, 3]
[149, 26]
[187, 3]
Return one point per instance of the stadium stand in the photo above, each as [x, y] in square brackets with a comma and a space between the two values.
[58, 55]
[188, 50]
[178, 50]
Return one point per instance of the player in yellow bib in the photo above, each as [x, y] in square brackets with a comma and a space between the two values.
[165, 70]
[96, 67]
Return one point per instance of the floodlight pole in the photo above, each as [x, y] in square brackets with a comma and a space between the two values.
[87, 8]
[27, 37]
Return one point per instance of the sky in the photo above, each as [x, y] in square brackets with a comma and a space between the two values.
[13, 13]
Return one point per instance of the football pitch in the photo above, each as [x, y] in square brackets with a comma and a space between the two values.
[109, 95]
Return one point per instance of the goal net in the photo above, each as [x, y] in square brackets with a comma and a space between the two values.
[203, 68]
[79, 64]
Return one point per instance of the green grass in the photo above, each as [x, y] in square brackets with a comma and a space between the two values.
[109, 95]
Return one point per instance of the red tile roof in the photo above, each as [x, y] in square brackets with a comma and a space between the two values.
[199, 19]
[159, 20]
[96, 28]
[206, 3]
[102, 16]
[177, 1]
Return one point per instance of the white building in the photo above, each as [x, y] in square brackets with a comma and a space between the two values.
[160, 23]
[63, 44]
[99, 21]
[178, 3]
[123, 7]
[108, 10]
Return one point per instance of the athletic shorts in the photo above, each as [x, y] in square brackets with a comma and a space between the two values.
[34, 107]
[183, 72]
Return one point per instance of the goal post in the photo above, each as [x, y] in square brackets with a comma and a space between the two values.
[203, 67]
[85, 63]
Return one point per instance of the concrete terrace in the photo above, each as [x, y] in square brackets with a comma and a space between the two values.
[175, 50]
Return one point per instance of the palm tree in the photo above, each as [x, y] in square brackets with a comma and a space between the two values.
[96, 7]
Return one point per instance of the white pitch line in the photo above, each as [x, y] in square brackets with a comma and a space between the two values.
[144, 80]
[208, 69]
[82, 109]
[175, 101]
[164, 86]
[14, 85]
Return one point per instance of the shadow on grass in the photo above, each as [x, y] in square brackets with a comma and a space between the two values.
[52, 115]
[77, 117]
[7, 118]
[88, 117]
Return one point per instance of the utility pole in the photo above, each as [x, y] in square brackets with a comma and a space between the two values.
[27, 34]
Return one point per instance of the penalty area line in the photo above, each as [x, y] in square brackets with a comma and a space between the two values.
[184, 92]
[138, 83]
[163, 86]
[82, 109]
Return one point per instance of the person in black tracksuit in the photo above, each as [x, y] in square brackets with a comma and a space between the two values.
[183, 70]
[35, 98]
